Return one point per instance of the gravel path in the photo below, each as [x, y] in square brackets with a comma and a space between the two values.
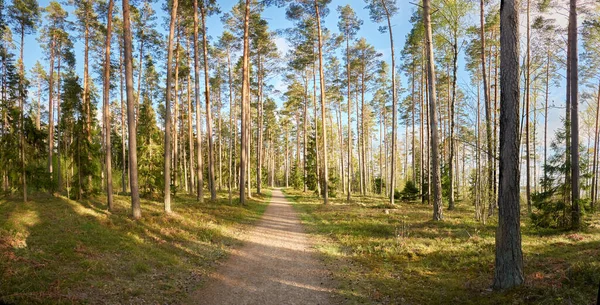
[276, 265]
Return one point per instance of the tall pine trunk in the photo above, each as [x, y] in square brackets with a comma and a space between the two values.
[106, 97]
[435, 166]
[168, 132]
[323, 99]
[133, 168]
[508, 270]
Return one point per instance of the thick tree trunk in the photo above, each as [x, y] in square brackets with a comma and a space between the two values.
[509, 257]
[135, 195]
[435, 166]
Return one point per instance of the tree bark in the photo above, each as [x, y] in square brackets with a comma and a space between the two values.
[200, 182]
[508, 270]
[108, 145]
[167, 200]
[323, 98]
[435, 167]
[245, 104]
[486, 95]
[595, 162]
[209, 135]
[133, 168]
[394, 106]
[574, 87]
[527, 103]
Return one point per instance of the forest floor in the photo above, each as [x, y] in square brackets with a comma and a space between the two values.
[277, 265]
[59, 251]
[397, 255]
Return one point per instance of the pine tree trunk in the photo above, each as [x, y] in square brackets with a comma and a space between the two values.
[200, 182]
[488, 126]
[123, 149]
[435, 166]
[259, 142]
[527, 102]
[135, 196]
[595, 162]
[108, 159]
[394, 105]
[323, 98]
[349, 100]
[574, 87]
[190, 132]
[58, 130]
[209, 135]
[245, 104]
[451, 173]
[509, 257]
[167, 193]
[51, 111]
[231, 126]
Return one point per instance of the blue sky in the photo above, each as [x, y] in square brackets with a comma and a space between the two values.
[276, 19]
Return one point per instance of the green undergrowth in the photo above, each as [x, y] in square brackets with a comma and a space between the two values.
[388, 254]
[59, 251]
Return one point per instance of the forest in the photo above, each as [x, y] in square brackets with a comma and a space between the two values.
[299, 152]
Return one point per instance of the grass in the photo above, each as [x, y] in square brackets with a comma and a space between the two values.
[59, 251]
[398, 255]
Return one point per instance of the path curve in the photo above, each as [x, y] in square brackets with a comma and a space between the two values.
[276, 265]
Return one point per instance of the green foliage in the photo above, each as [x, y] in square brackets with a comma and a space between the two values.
[83, 150]
[552, 204]
[334, 185]
[150, 151]
[311, 164]
[379, 185]
[410, 192]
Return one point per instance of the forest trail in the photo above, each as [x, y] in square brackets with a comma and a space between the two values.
[276, 265]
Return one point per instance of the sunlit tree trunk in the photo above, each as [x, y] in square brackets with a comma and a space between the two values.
[508, 271]
[135, 196]
[167, 147]
[106, 96]
[323, 98]
[435, 166]
[245, 104]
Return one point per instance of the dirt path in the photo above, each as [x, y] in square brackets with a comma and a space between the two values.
[276, 265]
